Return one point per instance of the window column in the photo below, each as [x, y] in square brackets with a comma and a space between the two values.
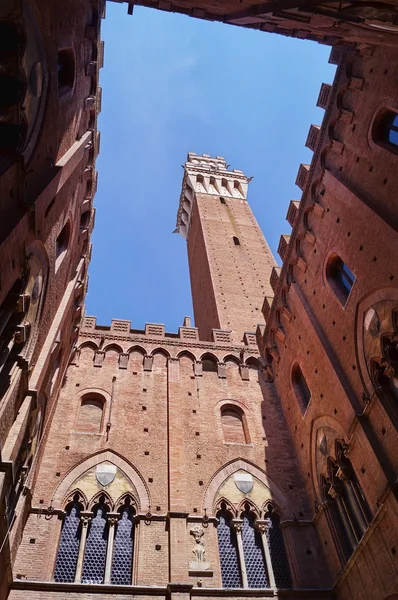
[112, 519]
[353, 500]
[262, 527]
[85, 519]
[237, 525]
[344, 515]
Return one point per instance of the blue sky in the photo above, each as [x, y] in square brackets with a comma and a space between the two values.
[172, 84]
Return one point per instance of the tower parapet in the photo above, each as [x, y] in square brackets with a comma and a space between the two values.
[206, 175]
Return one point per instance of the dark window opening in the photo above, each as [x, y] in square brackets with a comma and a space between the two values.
[222, 201]
[236, 241]
[66, 70]
[62, 244]
[340, 277]
[386, 130]
[209, 364]
[85, 219]
[301, 388]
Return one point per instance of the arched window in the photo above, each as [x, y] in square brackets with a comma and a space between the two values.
[301, 388]
[123, 546]
[96, 545]
[385, 130]
[90, 413]
[227, 546]
[68, 550]
[236, 240]
[280, 565]
[253, 553]
[348, 505]
[340, 277]
[209, 364]
[62, 243]
[232, 425]
[66, 70]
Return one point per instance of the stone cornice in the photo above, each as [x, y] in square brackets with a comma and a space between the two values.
[177, 342]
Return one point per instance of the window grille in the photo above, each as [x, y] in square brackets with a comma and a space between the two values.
[230, 570]
[278, 553]
[68, 550]
[123, 548]
[253, 553]
[96, 545]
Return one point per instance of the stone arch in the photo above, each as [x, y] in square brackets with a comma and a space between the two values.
[87, 349]
[232, 467]
[274, 507]
[387, 294]
[113, 347]
[71, 498]
[138, 349]
[228, 507]
[232, 359]
[253, 508]
[328, 427]
[122, 499]
[95, 500]
[126, 467]
[209, 362]
[186, 354]
[161, 351]
[253, 363]
[160, 358]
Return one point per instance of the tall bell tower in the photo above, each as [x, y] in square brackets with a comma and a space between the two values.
[230, 261]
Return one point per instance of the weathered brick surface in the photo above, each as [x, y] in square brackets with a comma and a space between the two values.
[347, 208]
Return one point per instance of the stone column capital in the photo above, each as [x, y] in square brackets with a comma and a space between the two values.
[237, 525]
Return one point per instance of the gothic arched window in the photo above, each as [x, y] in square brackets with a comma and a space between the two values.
[253, 553]
[280, 565]
[96, 545]
[227, 545]
[346, 496]
[232, 425]
[68, 549]
[123, 546]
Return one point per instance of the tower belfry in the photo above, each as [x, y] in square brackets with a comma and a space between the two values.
[230, 261]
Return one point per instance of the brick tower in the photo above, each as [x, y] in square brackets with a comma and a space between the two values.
[229, 260]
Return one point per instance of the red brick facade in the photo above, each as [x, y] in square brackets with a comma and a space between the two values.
[294, 426]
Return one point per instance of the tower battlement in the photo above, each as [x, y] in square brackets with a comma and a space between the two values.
[207, 175]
